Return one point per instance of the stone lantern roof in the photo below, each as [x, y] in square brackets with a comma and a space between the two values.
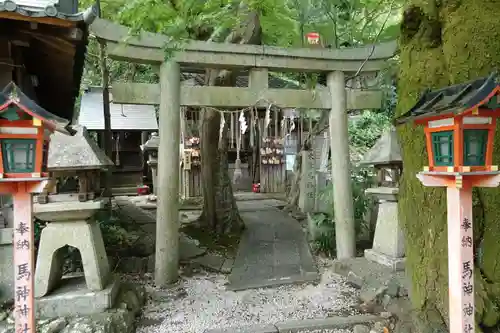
[77, 152]
[385, 152]
[153, 143]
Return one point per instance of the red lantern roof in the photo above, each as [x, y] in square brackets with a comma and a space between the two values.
[455, 100]
[12, 95]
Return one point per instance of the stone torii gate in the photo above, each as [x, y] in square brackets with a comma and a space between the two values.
[149, 48]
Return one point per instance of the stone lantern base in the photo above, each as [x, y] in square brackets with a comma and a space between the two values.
[72, 223]
[388, 243]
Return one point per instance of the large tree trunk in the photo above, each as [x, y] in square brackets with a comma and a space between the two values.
[442, 43]
[220, 212]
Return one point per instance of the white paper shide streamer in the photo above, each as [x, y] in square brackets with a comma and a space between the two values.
[221, 127]
[237, 167]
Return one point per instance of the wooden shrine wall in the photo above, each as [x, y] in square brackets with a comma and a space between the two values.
[191, 169]
[272, 165]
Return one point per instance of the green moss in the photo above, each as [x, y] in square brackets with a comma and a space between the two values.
[469, 48]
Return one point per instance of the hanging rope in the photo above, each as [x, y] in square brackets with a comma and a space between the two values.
[117, 147]
[242, 129]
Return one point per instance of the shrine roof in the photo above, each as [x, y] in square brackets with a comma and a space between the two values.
[77, 152]
[51, 38]
[123, 116]
[454, 99]
[62, 9]
[385, 151]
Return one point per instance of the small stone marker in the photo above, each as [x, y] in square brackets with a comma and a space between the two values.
[307, 183]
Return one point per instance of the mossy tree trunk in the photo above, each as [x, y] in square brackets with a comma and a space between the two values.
[220, 212]
[445, 42]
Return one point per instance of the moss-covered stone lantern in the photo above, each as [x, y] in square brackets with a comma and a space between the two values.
[388, 242]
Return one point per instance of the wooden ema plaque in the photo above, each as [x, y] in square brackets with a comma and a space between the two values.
[272, 151]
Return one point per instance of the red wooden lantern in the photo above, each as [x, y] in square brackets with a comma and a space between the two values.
[25, 130]
[459, 124]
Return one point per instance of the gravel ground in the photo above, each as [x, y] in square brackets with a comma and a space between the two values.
[201, 302]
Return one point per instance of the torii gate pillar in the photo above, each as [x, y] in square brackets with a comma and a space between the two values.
[167, 214]
[345, 235]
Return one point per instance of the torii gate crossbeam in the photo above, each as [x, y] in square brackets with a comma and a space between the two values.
[149, 48]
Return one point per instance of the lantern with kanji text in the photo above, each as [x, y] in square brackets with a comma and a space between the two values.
[25, 130]
[459, 125]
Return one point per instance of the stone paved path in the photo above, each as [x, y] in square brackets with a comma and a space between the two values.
[273, 251]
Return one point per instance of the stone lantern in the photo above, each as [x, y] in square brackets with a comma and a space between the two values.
[151, 146]
[388, 243]
[70, 212]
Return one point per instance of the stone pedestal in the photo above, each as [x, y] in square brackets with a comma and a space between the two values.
[71, 223]
[153, 164]
[6, 265]
[73, 298]
[388, 243]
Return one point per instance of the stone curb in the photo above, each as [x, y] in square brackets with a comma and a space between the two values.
[306, 277]
[306, 325]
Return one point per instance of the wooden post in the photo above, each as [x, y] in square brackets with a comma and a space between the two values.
[460, 242]
[460, 259]
[24, 263]
[167, 216]
[107, 134]
[345, 234]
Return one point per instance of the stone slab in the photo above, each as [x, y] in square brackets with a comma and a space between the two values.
[273, 251]
[310, 325]
[257, 205]
[395, 264]
[6, 271]
[6, 236]
[245, 329]
[74, 299]
[370, 274]
[67, 211]
[210, 261]
[244, 196]
[227, 266]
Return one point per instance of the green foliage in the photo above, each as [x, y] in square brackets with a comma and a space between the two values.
[114, 234]
[365, 130]
[283, 22]
[363, 133]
